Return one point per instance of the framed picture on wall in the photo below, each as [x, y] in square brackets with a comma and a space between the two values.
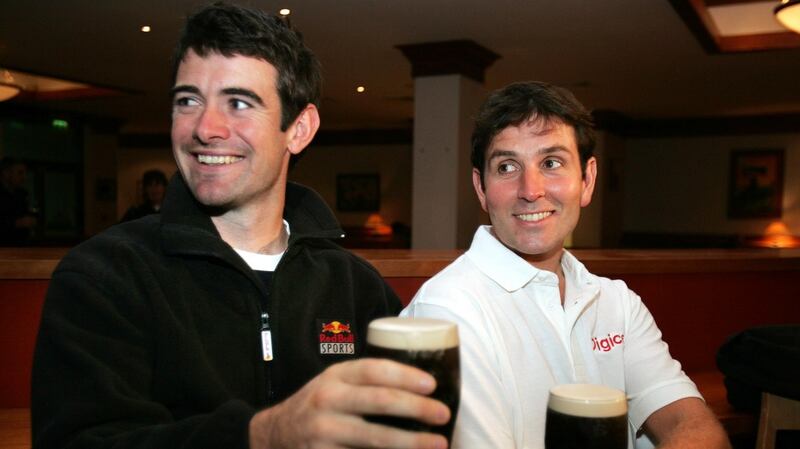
[756, 184]
[358, 192]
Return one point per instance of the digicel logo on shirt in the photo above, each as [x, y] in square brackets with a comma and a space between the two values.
[608, 342]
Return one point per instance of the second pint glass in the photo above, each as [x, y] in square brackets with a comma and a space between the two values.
[581, 416]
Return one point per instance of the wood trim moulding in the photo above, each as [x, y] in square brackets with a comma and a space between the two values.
[758, 42]
[39, 263]
[710, 3]
[29, 263]
[606, 262]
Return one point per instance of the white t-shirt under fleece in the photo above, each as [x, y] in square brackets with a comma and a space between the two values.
[517, 341]
[263, 262]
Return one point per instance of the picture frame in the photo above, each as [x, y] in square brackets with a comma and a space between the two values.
[756, 184]
[358, 192]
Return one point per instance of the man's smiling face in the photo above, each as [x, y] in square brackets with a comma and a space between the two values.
[226, 135]
[533, 187]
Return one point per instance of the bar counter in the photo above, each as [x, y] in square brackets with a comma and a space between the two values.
[698, 297]
[39, 263]
[606, 262]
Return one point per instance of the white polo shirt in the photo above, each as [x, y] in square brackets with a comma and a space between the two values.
[517, 341]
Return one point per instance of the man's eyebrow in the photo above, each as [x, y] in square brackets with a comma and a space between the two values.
[244, 93]
[494, 154]
[183, 88]
[553, 149]
[499, 153]
[227, 91]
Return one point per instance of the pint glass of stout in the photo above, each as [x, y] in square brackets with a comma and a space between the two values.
[428, 344]
[581, 416]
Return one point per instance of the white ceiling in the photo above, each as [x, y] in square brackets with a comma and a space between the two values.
[636, 57]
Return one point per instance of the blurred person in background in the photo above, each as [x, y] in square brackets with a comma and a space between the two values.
[17, 219]
[154, 188]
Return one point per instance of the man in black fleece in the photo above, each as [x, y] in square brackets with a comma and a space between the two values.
[230, 320]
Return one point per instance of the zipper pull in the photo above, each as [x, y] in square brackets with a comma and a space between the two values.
[266, 337]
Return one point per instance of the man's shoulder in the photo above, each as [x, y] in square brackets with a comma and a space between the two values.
[329, 252]
[460, 293]
[120, 241]
[579, 274]
[459, 277]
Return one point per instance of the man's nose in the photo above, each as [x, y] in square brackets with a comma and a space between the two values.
[531, 186]
[212, 125]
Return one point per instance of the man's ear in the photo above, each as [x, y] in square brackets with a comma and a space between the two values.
[478, 185]
[303, 129]
[589, 178]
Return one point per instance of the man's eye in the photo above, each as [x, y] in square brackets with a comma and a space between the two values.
[552, 163]
[186, 101]
[506, 167]
[240, 104]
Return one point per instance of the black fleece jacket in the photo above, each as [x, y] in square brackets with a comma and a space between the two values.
[150, 333]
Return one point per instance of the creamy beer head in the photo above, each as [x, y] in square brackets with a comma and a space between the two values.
[412, 334]
[588, 401]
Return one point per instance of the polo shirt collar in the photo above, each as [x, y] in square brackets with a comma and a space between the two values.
[512, 272]
[498, 262]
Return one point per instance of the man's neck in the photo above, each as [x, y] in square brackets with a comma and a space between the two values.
[551, 263]
[258, 229]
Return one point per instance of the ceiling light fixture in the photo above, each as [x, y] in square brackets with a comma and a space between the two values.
[146, 29]
[360, 89]
[8, 88]
[788, 14]
[285, 12]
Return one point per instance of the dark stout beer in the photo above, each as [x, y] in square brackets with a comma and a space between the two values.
[430, 345]
[581, 416]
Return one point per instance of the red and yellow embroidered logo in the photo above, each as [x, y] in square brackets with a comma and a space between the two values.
[335, 327]
[335, 338]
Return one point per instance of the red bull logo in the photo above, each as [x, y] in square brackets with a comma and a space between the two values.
[335, 327]
[335, 337]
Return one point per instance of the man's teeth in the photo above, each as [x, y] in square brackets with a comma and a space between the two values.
[534, 217]
[217, 160]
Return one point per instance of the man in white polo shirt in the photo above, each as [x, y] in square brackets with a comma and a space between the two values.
[530, 315]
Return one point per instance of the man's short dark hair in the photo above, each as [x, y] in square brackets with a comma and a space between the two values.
[233, 30]
[518, 103]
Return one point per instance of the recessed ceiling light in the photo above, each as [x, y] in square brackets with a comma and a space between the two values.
[360, 89]
[285, 12]
[146, 29]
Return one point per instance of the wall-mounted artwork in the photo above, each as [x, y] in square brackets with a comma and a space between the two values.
[756, 184]
[358, 192]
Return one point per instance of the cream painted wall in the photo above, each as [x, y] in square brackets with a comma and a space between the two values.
[131, 165]
[680, 185]
[601, 220]
[320, 164]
